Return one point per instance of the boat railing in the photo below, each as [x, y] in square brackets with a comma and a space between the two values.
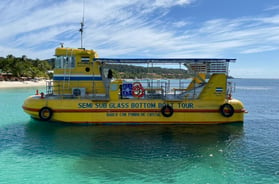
[231, 88]
[49, 87]
[58, 90]
[166, 89]
[153, 89]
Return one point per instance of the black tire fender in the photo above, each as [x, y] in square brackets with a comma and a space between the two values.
[45, 113]
[167, 111]
[227, 110]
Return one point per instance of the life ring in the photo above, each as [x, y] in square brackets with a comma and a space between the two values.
[45, 114]
[227, 110]
[138, 90]
[167, 111]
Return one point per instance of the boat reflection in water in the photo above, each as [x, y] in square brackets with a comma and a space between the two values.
[113, 151]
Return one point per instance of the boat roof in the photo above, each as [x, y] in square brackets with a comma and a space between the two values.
[201, 65]
[164, 60]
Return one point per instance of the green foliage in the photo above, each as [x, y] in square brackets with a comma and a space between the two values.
[24, 67]
[30, 68]
[132, 72]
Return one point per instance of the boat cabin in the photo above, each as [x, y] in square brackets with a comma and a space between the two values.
[79, 73]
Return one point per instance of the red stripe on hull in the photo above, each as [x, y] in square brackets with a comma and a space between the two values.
[132, 110]
[158, 122]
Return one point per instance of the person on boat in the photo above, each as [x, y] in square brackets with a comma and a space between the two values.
[110, 74]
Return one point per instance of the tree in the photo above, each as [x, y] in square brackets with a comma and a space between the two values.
[24, 67]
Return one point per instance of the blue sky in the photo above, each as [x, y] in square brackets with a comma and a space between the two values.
[247, 30]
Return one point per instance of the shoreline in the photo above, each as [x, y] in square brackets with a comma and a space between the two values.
[21, 84]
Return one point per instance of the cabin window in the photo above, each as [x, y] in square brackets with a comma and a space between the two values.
[85, 59]
[65, 62]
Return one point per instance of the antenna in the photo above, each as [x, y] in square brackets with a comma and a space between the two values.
[81, 28]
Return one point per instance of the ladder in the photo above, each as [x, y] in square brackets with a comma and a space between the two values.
[67, 70]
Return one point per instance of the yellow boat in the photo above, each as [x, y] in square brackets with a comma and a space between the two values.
[84, 91]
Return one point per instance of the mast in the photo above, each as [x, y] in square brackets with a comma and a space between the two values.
[81, 28]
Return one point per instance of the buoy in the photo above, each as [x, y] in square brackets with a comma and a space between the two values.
[227, 110]
[167, 111]
[45, 113]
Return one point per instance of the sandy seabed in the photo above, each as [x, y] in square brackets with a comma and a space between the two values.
[19, 84]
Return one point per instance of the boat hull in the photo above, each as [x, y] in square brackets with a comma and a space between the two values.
[127, 111]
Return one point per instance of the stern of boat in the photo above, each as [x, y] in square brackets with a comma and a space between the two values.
[33, 104]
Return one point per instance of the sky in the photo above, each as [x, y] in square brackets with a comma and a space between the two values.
[247, 30]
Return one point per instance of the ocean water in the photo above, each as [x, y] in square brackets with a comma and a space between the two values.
[39, 152]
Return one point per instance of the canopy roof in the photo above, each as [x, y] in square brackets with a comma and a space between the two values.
[200, 65]
[163, 60]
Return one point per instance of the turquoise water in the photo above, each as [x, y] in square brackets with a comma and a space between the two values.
[39, 152]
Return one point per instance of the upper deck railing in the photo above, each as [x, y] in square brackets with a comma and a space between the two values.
[200, 65]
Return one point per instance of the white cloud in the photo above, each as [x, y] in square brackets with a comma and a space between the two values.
[122, 28]
[259, 49]
[275, 7]
[180, 24]
[170, 3]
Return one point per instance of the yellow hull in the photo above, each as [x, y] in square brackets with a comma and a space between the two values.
[127, 111]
